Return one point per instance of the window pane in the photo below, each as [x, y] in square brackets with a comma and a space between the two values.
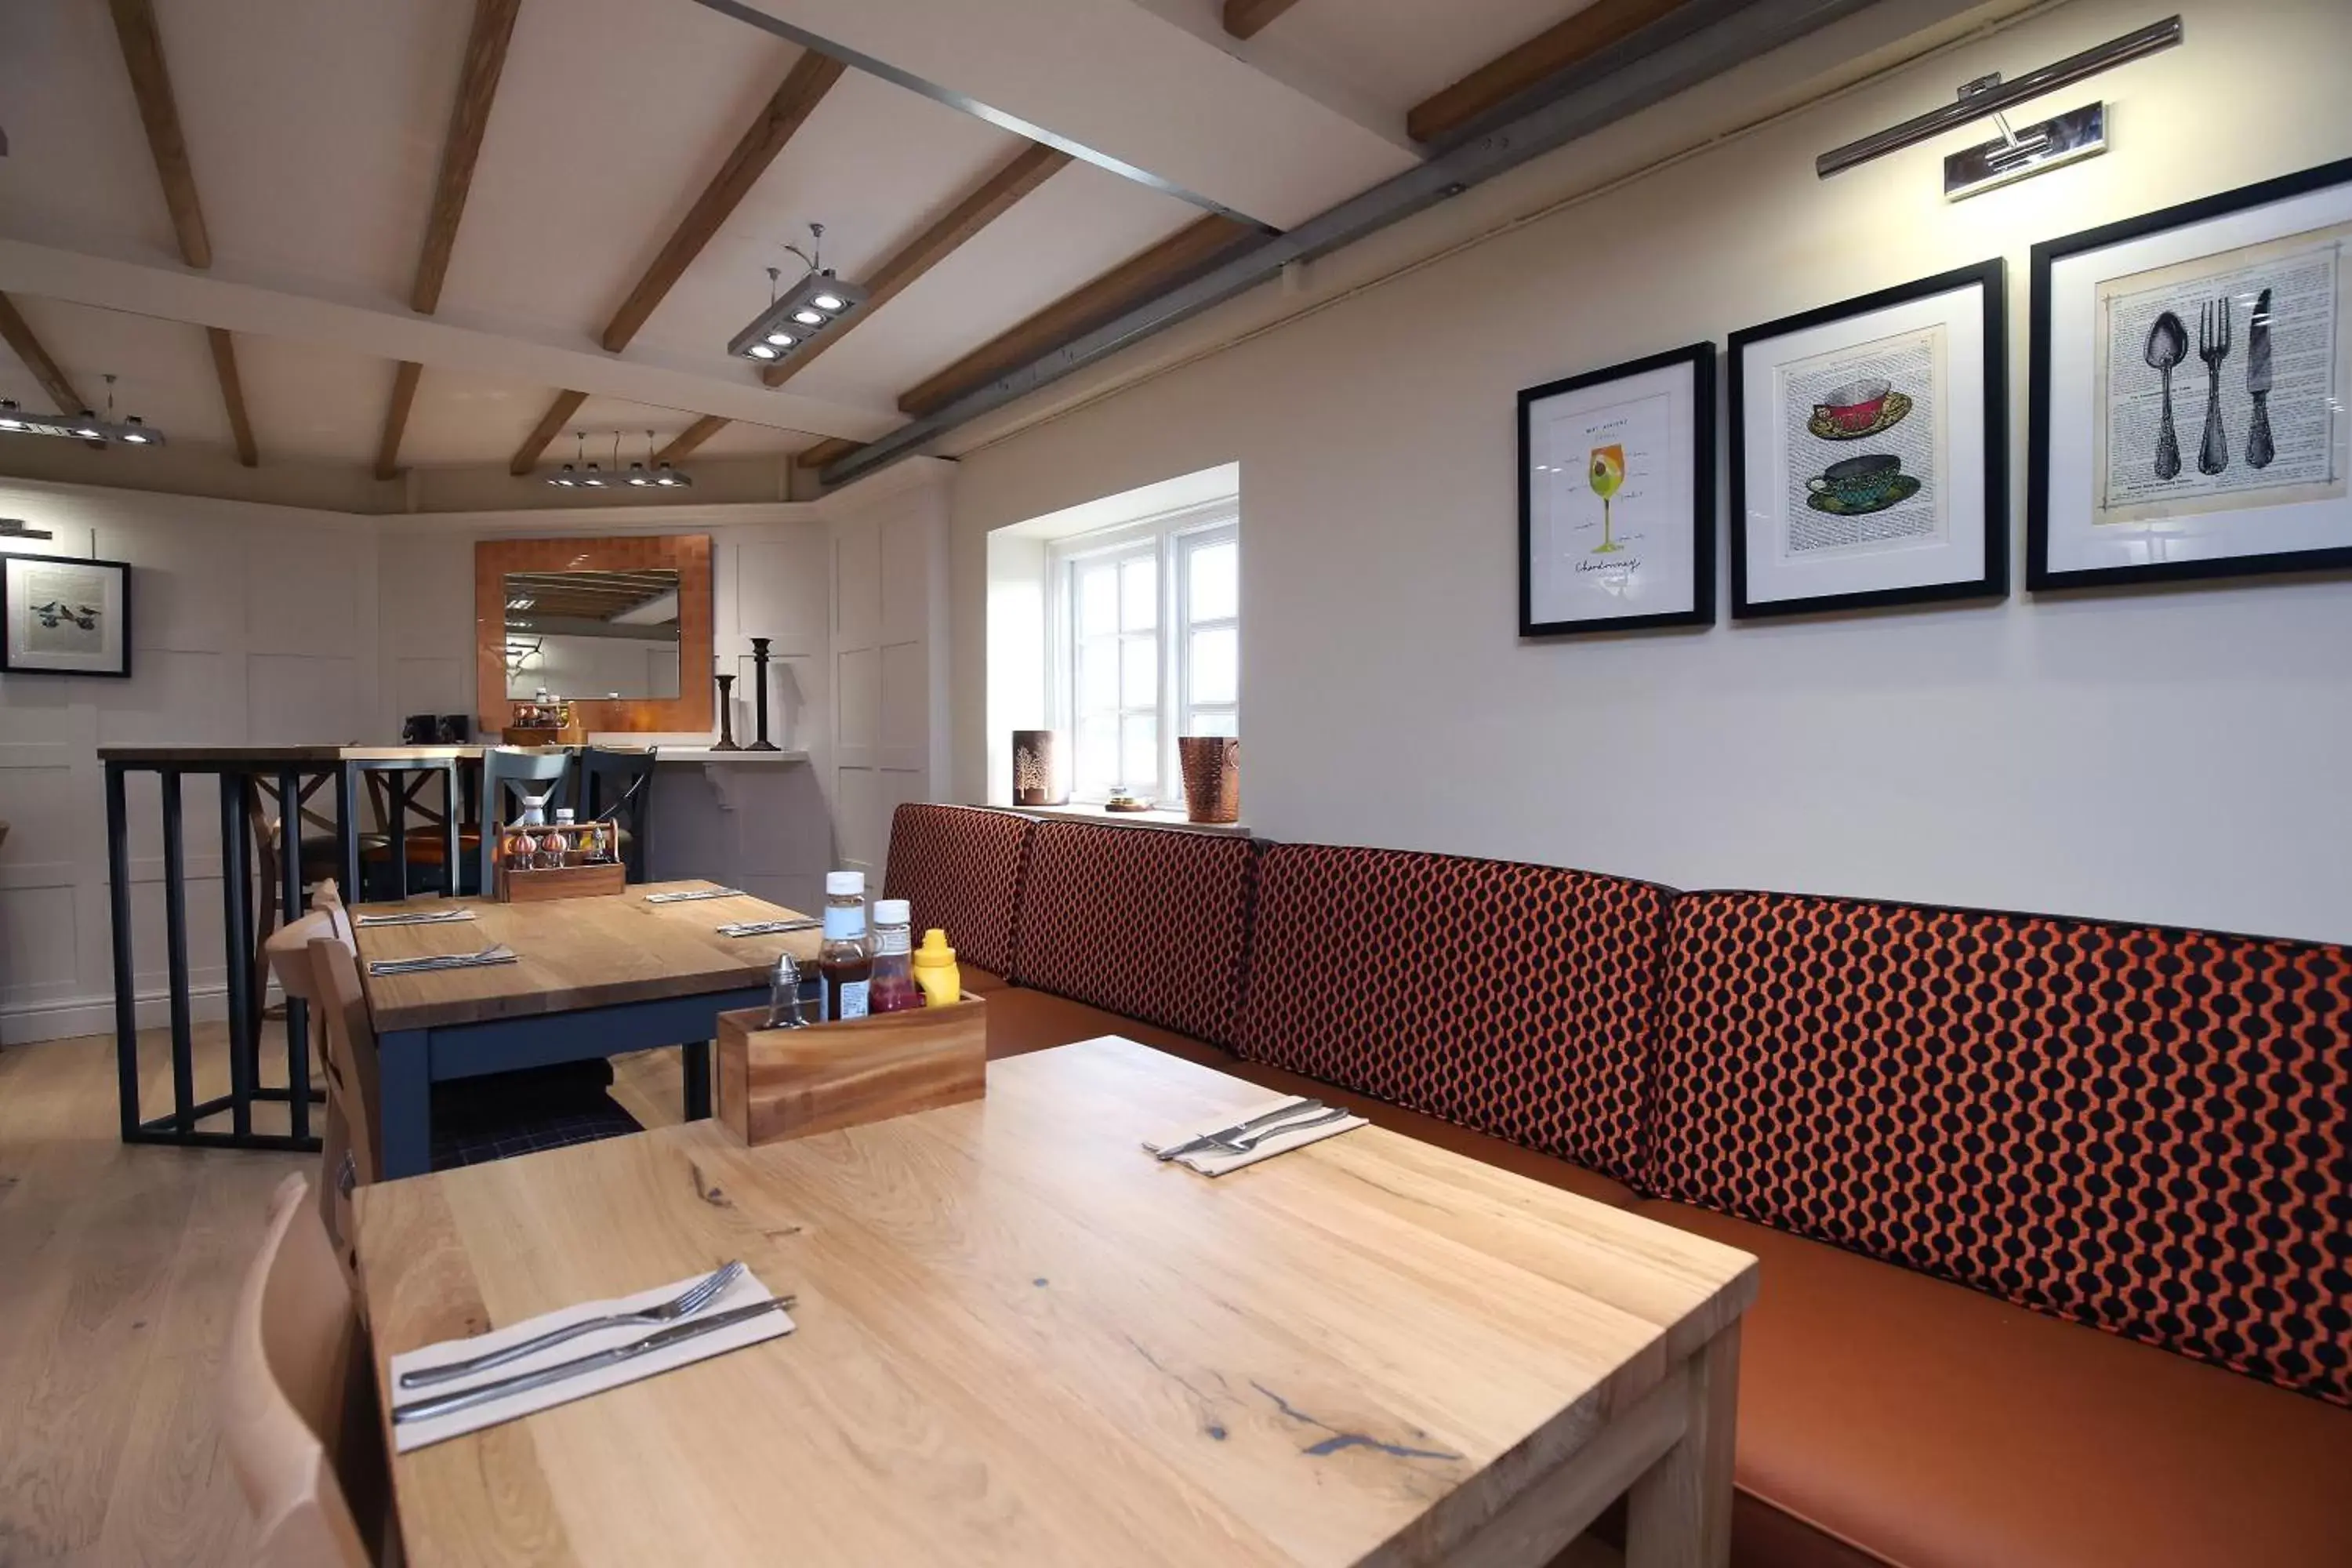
[1097, 674]
[1217, 581]
[1139, 594]
[1098, 599]
[1097, 757]
[1139, 672]
[1214, 722]
[1215, 661]
[1140, 752]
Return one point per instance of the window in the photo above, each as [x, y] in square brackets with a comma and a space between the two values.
[1147, 636]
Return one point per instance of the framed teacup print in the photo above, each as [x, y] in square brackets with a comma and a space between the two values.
[63, 615]
[2190, 373]
[1617, 498]
[1870, 451]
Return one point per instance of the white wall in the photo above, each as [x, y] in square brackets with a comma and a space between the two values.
[250, 625]
[2175, 755]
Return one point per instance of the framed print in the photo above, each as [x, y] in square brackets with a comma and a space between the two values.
[2190, 370]
[1617, 498]
[60, 615]
[1870, 451]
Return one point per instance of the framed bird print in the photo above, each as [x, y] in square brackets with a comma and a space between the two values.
[60, 615]
[1870, 450]
[2192, 370]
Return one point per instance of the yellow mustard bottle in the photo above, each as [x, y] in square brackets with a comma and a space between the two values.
[936, 972]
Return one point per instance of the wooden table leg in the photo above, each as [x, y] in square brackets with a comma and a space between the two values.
[404, 1085]
[1680, 1511]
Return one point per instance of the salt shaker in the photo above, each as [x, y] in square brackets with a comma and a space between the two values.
[785, 994]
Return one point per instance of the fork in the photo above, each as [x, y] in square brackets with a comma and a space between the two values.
[494, 953]
[1247, 1143]
[2213, 347]
[685, 1304]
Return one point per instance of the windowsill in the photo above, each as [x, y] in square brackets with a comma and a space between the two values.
[1132, 818]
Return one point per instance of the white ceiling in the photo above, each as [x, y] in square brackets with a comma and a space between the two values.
[315, 128]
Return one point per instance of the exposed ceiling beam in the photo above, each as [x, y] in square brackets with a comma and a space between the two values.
[395, 420]
[233, 395]
[151, 84]
[394, 333]
[1244, 17]
[682, 444]
[1130, 282]
[469, 118]
[18, 334]
[550, 425]
[461, 149]
[804, 88]
[1506, 76]
[981, 206]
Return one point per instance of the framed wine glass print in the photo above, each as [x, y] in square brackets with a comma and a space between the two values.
[2190, 370]
[1870, 450]
[1617, 498]
[64, 616]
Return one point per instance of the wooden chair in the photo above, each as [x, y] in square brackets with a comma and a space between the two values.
[504, 773]
[621, 781]
[347, 1138]
[298, 1411]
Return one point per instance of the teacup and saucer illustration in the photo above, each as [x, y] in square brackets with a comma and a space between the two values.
[1859, 485]
[1857, 409]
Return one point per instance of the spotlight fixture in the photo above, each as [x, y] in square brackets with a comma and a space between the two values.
[87, 425]
[802, 314]
[584, 473]
[651, 475]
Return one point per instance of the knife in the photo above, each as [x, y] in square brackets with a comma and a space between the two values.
[1208, 1140]
[2259, 449]
[690, 895]
[663, 1338]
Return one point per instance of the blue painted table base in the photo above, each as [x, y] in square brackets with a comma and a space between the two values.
[412, 1060]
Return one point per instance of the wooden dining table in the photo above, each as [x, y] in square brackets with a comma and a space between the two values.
[593, 977]
[1022, 1340]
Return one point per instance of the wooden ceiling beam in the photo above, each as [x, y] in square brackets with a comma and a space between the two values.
[18, 335]
[804, 88]
[151, 84]
[1129, 284]
[551, 424]
[1506, 76]
[233, 395]
[981, 206]
[461, 149]
[826, 450]
[682, 444]
[1244, 17]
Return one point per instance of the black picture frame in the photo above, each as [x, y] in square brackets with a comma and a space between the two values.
[10, 664]
[1701, 360]
[1992, 583]
[2039, 576]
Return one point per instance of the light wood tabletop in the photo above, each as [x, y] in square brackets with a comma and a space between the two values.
[572, 953]
[1022, 1340]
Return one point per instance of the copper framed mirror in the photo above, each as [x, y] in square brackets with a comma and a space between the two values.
[621, 629]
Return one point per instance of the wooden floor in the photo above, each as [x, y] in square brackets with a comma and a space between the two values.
[118, 1267]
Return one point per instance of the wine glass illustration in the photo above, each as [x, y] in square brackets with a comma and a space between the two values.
[1607, 476]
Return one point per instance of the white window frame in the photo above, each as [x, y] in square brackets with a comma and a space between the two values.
[1170, 539]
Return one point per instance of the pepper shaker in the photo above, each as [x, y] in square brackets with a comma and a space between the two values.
[785, 994]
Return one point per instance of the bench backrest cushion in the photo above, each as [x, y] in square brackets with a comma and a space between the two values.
[2139, 1129]
[1516, 1000]
[959, 866]
[1144, 921]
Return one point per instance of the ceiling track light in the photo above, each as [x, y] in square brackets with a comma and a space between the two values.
[131, 430]
[812, 308]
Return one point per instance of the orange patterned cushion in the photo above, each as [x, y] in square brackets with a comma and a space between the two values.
[1145, 921]
[959, 866]
[1516, 1000]
[2139, 1129]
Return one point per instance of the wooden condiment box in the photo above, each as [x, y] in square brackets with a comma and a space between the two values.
[775, 1084]
[510, 886]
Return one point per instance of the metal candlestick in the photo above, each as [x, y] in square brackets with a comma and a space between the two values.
[760, 702]
[725, 741]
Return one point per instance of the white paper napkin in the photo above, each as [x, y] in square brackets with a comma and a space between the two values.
[689, 895]
[1217, 1163]
[437, 918]
[745, 1291]
[392, 968]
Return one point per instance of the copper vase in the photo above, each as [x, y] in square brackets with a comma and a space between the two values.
[1212, 777]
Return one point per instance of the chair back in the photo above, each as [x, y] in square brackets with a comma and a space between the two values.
[621, 783]
[504, 773]
[354, 1068]
[297, 1408]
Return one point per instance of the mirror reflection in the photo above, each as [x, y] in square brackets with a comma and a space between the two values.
[592, 633]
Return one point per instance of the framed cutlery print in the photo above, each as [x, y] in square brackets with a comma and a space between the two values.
[2190, 370]
[1869, 450]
